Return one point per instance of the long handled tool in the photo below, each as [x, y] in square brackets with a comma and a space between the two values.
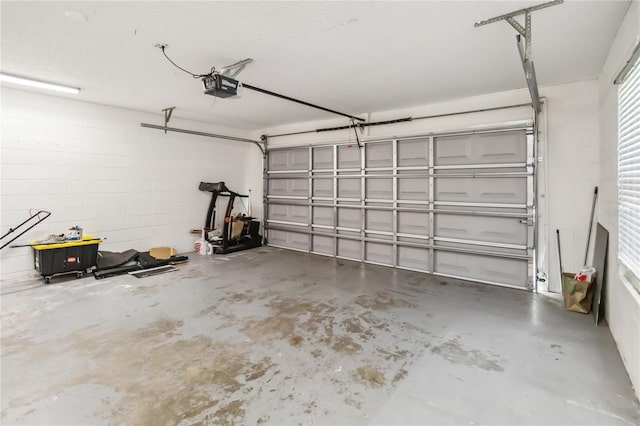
[559, 253]
[593, 210]
[11, 230]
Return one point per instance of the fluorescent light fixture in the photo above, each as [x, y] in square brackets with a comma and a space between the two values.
[39, 84]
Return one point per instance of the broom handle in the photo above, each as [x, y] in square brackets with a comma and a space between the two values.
[559, 253]
[593, 210]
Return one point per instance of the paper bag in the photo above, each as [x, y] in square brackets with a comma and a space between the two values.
[578, 295]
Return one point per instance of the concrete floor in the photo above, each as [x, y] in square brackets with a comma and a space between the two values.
[277, 337]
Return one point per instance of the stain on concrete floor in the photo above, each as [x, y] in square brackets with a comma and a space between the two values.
[370, 375]
[211, 348]
[453, 351]
[382, 301]
[162, 371]
[160, 375]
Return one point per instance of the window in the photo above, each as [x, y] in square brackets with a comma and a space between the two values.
[629, 174]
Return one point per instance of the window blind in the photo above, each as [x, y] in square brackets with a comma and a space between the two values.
[629, 171]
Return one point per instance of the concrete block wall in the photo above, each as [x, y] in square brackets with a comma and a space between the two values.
[94, 166]
[573, 173]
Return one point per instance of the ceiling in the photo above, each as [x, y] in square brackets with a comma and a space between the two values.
[355, 57]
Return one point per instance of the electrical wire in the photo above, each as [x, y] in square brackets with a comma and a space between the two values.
[211, 73]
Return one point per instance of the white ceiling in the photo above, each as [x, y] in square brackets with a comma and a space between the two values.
[355, 57]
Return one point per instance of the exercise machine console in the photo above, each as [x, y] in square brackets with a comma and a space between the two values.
[249, 237]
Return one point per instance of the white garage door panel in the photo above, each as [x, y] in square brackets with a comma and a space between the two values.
[278, 187]
[323, 245]
[278, 237]
[484, 148]
[481, 228]
[294, 159]
[323, 188]
[348, 157]
[413, 223]
[413, 153]
[323, 216]
[289, 187]
[299, 241]
[506, 271]
[414, 258]
[379, 188]
[349, 218]
[278, 212]
[351, 249]
[481, 190]
[287, 239]
[297, 214]
[465, 212]
[379, 155]
[278, 160]
[298, 187]
[323, 158]
[291, 213]
[414, 189]
[349, 188]
[379, 253]
[298, 159]
[379, 220]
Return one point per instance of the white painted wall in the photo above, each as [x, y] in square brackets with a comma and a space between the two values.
[94, 166]
[622, 300]
[572, 173]
[571, 165]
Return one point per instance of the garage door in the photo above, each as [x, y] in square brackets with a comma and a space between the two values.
[458, 205]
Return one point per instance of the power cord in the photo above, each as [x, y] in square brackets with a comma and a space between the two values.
[210, 74]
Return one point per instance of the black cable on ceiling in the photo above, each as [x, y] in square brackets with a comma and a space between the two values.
[213, 69]
[288, 98]
[213, 73]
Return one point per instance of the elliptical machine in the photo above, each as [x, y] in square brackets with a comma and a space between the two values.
[230, 241]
